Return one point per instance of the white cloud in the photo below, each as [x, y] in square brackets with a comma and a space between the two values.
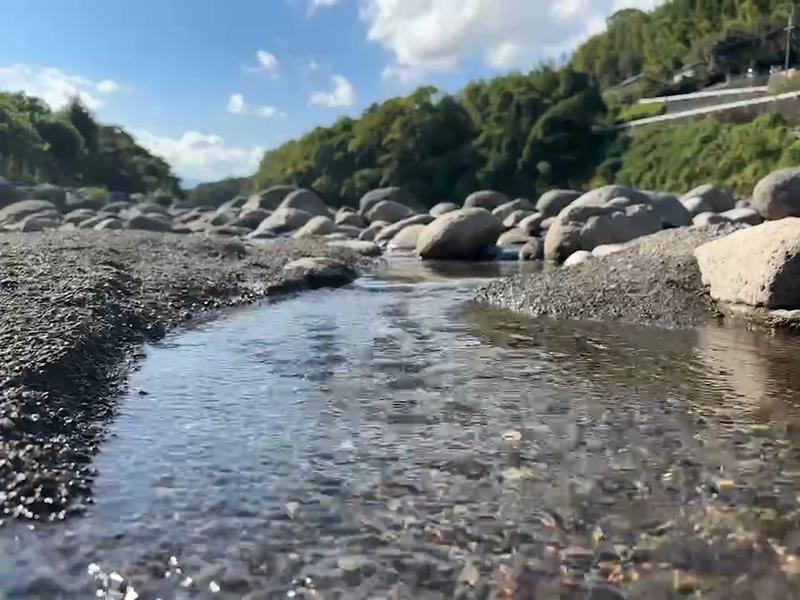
[425, 36]
[268, 62]
[238, 106]
[313, 65]
[54, 86]
[202, 156]
[313, 5]
[108, 86]
[342, 94]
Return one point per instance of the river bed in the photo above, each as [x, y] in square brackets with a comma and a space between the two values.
[392, 439]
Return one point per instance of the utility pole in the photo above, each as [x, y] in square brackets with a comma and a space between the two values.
[789, 29]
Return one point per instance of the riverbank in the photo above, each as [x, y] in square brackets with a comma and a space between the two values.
[654, 280]
[74, 306]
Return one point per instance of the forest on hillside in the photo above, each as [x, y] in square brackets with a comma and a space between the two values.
[70, 147]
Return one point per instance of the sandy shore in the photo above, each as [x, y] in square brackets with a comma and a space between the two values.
[73, 308]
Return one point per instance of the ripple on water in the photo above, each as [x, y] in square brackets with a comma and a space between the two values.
[392, 439]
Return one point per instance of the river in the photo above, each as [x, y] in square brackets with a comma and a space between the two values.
[390, 439]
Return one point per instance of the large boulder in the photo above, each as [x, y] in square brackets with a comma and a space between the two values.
[757, 266]
[553, 202]
[79, 215]
[746, 216]
[250, 218]
[268, 199]
[320, 271]
[488, 199]
[390, 194]
[108, 223]
[372, 231]
[603, 195]
[8, 193]
[389, 211]
[531, 224]
[388, 232]
[116, 207]
[582, 227]
[407, 238]
[150, 222]
[464, 234]
[513, 237]
[670, 209]
[717, 198]
[443, 208]
[531, 250]
[349, 218]
[317, 225]
[306, 200]
[19, 211]
[504, 210]
[778, 194]
[38, 222]
[234, 205]
[282, 221]
[695, 206]
[51, 193]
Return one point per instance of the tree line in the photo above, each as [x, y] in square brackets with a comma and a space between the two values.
[69, 147]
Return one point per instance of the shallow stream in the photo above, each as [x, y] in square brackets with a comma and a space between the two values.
[392, 440]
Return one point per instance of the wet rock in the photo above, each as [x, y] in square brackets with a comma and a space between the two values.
[320, 272]
[487, 199]
[442, 208]
[464, 234]
[305, 200]
[758, 266]
[716, 198]
[359, 246]
[315, 226]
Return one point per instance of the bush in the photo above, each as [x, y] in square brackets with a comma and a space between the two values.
[635, 112]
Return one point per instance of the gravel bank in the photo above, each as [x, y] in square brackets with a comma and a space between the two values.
[654, 282]
[73, 307]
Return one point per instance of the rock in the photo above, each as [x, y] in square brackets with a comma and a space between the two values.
[108, 223]
[151, 208]
[136, 198]
[670, 209]
[8, 193]
[504, 210]
[283, 220]
[757, 266]
[336, 236]
[115, 208]
[268, 199]
[603, 195]
[250, 218]
[318, 225]
[228, 231]
[87, 197]
[349, 218]
[778, 194]
[443, 208]
[305, 200]
[390, 231]
[349, 231]
[234, 205]
[607, 249]
[358, 246]
[553, 202]
[709, 218]
[513, 237]
[79, 215]
[533, 249]
[464, 234]
[748, 216]
[583, 227]
[515, 217]
[92, 221]
[52, 193]
[149, 222]
[547, 223]
[505, 252]
[577, 258]
[320, 272]
[19, 211]
[695, 206]
[370, 232]
[390, 194]
[717, 198]
[744, 203]
[531, 224]
[488, 199]
[407, 238]
[389, 211]
[36, 222]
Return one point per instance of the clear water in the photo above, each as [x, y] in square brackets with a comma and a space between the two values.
[392, 440]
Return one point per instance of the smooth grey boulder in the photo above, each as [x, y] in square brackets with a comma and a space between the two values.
[349, 231]
[717, 198]
[315, 226]
[268, 199]
[757, 266]
[778, 194]
[228, 231]
[443, 208]
[695, 206]
[390, 231]
[464, 234]
[250, 218]
[389, 211]
[150, 222]
[553, 202]
[116, 207]
[18, 211]
[406, 238]
[320, 272]
[504, 210]
[349, 218]
[37, 222]
[515, 217]
[283, 220]
[748, 216]
[533, 249]
[607, 249]
[603, 195]
[577, 257]
[79, 215]
[108, 223]
[670, 209]
[513, 237]
[387, 194]
[372, 231]
[709, 218]
[488, 199]
[532, 224]
[306, 200]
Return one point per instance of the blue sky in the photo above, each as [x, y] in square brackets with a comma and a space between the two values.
[209, 84]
